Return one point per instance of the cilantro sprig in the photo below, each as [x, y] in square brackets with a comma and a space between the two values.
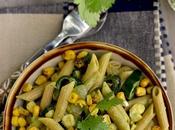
[90, 10]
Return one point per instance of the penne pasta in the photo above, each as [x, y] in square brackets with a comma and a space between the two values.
[93, 67]
[150, 125]
[33, 94]
[51, 124]
[103, 63]
[47, 95]
[62, 101]
[123, 112]
[160, 108]
[118, 119]
[66, 69]
[146, 119]
[145, 100]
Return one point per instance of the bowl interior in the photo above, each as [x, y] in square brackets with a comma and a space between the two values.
[53, 57]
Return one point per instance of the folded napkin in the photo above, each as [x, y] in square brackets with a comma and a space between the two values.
[23, 34]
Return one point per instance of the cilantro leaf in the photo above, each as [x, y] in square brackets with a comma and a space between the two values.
[98, 5]
[107, 102]
[89, 17]
[92, 123]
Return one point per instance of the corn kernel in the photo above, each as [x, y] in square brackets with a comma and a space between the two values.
[81, 102]
[36, 110]
[94, 112]
[121, 95]
[22, 122]
[92, 107]
[23, 111]
[49, 114]
[27, 87]
[16, 111]
[41, 79]
[69, 55]
[71, 128]
[22, 128]
[89, 100]
[54, 77]
[48, 71]
[73, 97]
[140, 91]
[149, 89]
[30, 106]
[82, 54]
[14, 121]
[144, 82]
[68, 120]
[156, 128]
[112, 126]
[106, 119]
[33, 128]
[79, 63]
[60, 64]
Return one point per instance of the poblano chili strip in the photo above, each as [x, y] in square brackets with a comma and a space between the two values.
[131, 83]
[61, 82]
[114, 80]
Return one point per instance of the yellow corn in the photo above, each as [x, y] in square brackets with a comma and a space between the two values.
[41, 79]
[81, 102]
[82, 54]
[22, 128]
[36, 110]
[156, 128]
[68, 120]
[89, 100]
[71, 128]
[144, 82]
[94, 112]
[106, 119]
[92, 107]
[60, 64]
[49, 114]
[69, 55]
[16, 111]
[30, 106]
[121, 95]
[33, 128]
[54, 77]
[48, 71]
[140, 91]
[23, 111]
[98, 96]
[73, 97]
[14, 121]
[22, 122]
[27, 87]
[79, 63]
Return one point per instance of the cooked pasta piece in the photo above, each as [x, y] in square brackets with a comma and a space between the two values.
[62, 101]
[146, 119]
[113, 67]
[118, 119]
[47, 95]
[160, 108]
[150, 125]
[51, 124]
[145, 100]
[124, 73]
[66, 69]
[103, 63]
[33, 94]
[93, 67]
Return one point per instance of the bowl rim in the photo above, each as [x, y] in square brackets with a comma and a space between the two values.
[93, 45]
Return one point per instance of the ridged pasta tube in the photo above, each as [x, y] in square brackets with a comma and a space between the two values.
[93, 67]
[160, 108]
[62, 101]
[33, 94]
[47, 95]
[51, 124]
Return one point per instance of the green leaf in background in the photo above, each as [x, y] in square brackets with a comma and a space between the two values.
[90, 18]
[98, 6]
[92, 123]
